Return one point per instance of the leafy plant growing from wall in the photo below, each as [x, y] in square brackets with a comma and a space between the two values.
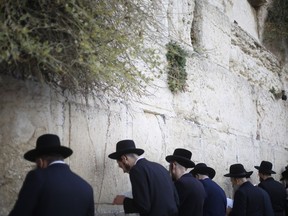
[177, 75]
[276, 28]
[78, 45]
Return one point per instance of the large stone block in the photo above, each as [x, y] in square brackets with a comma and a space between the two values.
[211, 33]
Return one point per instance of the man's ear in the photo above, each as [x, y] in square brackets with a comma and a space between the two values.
[173, 164]
[124, 157]
[40, 163]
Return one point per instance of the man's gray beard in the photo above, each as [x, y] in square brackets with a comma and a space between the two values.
[127, 168]
[173, 177]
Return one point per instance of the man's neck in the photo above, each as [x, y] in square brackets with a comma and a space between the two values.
[202, 177]
[265, 177]
[138, 158]
[241, 181]
[180, 172]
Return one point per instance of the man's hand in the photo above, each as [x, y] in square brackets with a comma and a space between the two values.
[119, 200]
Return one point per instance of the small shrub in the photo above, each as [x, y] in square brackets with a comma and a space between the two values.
[177, 75]
[275, 35]
[82, 46]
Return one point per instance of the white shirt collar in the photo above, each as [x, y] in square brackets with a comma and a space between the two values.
[139, 158]
[57, 162]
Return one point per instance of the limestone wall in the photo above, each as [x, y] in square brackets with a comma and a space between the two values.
[227, 115]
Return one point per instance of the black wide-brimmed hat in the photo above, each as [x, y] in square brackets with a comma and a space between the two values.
[47, 144]
[125, 147]
[238, 171]
[284, 174]
[181, 156]
[203, 169]
[265, 167]
[249, 174]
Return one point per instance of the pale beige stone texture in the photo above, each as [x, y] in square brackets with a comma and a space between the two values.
[211, 33]
[227, 113]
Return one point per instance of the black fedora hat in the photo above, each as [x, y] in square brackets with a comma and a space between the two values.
[202, 168]
[47, 144]
[265, 167]
[238, 171]
[125, 147]
[284, 174]
[249, 174]
[182, 156]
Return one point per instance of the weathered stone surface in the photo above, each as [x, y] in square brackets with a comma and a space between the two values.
[226, 115]
[211, 37]
[245, 16]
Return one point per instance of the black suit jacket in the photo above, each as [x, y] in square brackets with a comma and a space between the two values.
[277, 195]
[54, 191]
[215, 202]
[191, 195]
[251, 200]
[153, 191]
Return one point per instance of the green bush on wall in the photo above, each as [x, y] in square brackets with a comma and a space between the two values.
[80, 45]
[177, 75]
[277, 19]
[275, 35]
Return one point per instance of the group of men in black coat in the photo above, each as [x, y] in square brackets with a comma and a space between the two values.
[53, 189]
[152, 185]
[268, 199]
[194, 198]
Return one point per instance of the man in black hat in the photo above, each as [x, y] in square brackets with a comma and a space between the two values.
[190, 191]
[248, 199]
[152, 188]
[215, 202]
[52, 188]
[274, 188]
